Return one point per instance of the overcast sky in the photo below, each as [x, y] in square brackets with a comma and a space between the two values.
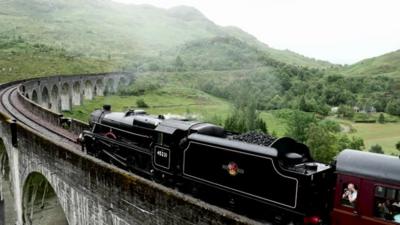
[340, 31]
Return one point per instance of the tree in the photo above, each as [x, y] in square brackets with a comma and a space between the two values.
[381, 118]
[346, 111]
[261, 125]
[298, 123]
[303, 104]
[235, 122]
[398, 145]
[322, 143]
[245, 118]
[344, 142]
[356, 143]
[376, 149]
[179, 63]
[393, 107]
[330, 125]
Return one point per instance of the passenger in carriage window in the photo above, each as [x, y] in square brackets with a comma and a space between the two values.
[349, 196]
[385, 210]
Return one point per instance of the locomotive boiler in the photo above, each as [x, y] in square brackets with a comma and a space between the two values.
[279, 181]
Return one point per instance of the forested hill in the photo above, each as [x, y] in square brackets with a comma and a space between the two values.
[387, 64]
[113, 31]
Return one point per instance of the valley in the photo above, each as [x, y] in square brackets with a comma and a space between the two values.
[190, 66]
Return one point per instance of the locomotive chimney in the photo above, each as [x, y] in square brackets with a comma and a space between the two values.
[107, 108]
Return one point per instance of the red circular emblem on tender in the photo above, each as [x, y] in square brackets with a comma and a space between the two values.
[233, 168]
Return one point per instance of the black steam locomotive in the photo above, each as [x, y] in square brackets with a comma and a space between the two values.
[281, 180]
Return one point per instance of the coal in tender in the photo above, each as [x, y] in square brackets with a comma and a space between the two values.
[254, 137]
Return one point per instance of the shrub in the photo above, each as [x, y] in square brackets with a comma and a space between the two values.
[381, 118]
[141, 103]
[376, 149]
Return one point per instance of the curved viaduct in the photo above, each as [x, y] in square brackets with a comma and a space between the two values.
[46, 178]
[59, 93]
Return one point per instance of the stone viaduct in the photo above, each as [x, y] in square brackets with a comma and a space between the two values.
[59, 93]
[46, 180]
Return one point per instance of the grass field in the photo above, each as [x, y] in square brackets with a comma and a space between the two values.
[177, 101]
[163, 101]
[274, 124]
[21, 60]
[386, 135]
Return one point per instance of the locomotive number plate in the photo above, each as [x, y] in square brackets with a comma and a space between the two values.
[162, 157]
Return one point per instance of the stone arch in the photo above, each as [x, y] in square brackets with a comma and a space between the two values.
[122, 82]
[35, 96]
[76, 93]
[109, 87]
[6, 200]
[40, 203]
[99, 87]
[27, 95]
[45, 98]
[88, 90]
[54, 102]
[65, 97]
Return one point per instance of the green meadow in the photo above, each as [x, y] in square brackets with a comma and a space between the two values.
[386, 135]
[174, 101]
[186, 102]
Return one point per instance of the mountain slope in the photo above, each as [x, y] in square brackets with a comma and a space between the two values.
[104, 29]
[387, 64]
[20, 60]
[218, 53]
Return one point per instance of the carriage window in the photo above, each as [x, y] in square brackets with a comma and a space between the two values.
[349, 195]
[380, 192]
[387, 204]
[390, 194]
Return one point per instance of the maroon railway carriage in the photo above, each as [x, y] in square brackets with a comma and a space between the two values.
[376, 179]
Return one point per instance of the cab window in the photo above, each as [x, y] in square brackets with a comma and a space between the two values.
[387, 203]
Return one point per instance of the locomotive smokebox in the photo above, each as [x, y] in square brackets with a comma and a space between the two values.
[97, 115]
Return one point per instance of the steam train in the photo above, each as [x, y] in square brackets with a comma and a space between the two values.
[280, 182]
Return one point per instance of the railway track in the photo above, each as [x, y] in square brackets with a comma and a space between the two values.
[10, 104]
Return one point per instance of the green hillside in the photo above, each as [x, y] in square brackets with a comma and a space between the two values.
[218, 53]
[387, 64]
[128, 33]
[20, 59]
